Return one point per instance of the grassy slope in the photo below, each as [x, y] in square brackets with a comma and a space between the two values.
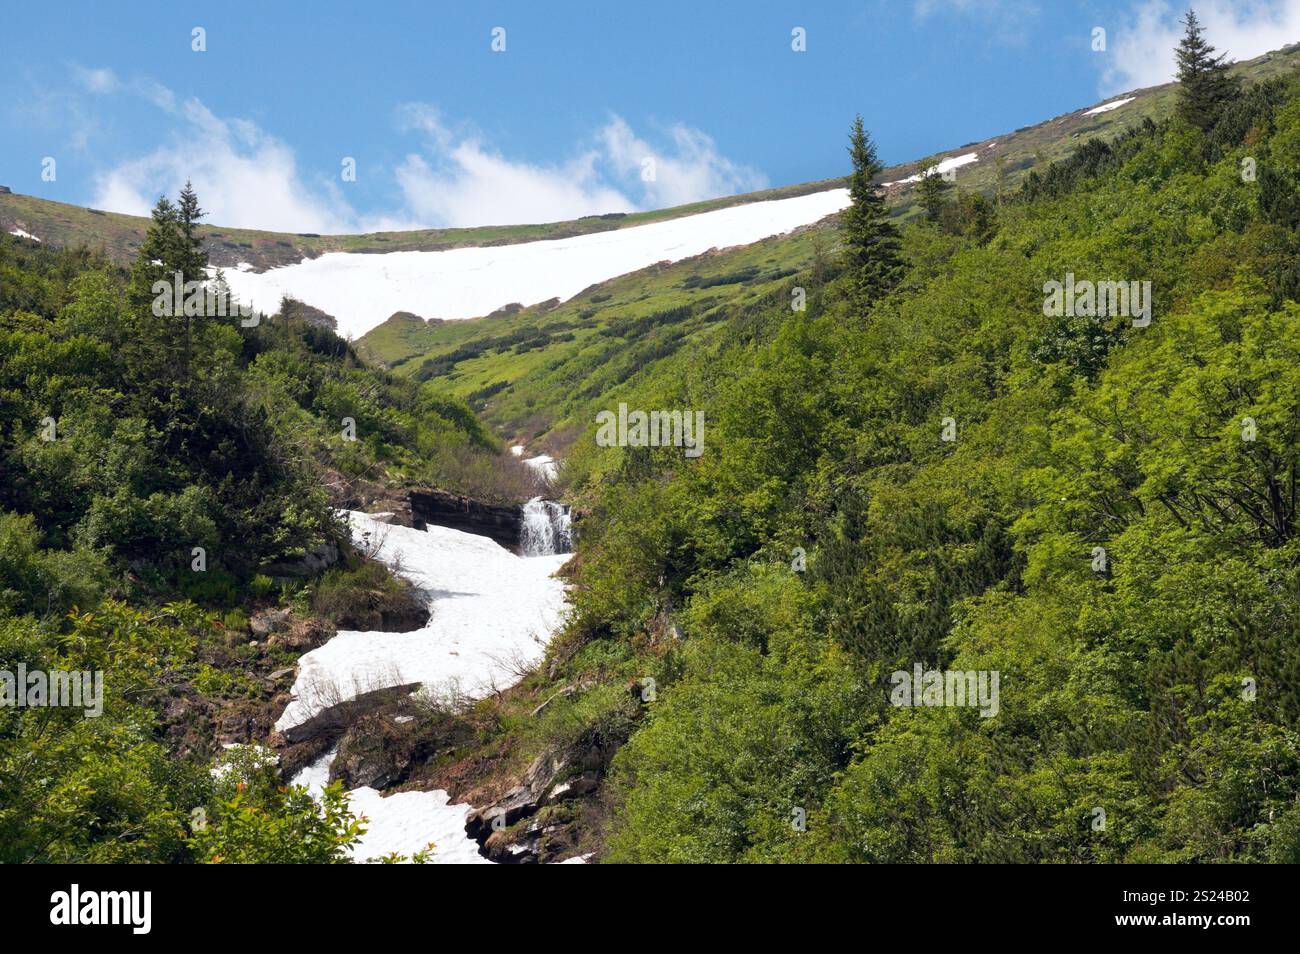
[580, 354]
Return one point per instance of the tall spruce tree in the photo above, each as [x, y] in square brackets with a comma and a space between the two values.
[192, 259]
[1206, 85]
[871, 244]
[151, 338]
[171, 245]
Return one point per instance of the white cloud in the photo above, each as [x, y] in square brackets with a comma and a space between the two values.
[97, 80]
[246, 177]
[1142, 48]
[461, 181]
[691, 171]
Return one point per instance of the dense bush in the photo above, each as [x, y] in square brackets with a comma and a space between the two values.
[829, 536]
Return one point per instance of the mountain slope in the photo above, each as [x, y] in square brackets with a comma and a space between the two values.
[528, 369]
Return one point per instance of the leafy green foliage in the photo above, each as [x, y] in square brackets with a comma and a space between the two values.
[828, 536]
[256, 820]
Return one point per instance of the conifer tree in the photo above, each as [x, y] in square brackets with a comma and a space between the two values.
[1206, 86]
[932, 192]
[286, 315]
[871, 244]
[192, 260]
[150, 337]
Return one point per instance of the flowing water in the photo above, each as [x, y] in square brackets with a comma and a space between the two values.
[545, 528]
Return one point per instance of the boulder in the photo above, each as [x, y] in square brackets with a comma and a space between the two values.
[376, 751]
[331, 721]
[544, 776]
[265, 622]
[302, 634]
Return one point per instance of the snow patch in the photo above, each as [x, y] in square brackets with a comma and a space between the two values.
[944, 165]
[362, 290]
[405, 822]
[21, 234]
[492, 611]
[548, 467]
[1107, 107]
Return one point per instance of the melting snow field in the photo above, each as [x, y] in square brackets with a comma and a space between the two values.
[1107, 107]
[942, 166]
[545, 465]
[363, 290]
[405, 822]
[492, 610]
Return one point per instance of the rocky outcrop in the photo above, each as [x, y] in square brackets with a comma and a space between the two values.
[445, 509]
[332, 720]
[553, 778]
[390, 612]
[382, 748]
[376, 751]
[267, 621]
[308, 565]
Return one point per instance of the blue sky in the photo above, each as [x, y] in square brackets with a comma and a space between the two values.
[445, 131]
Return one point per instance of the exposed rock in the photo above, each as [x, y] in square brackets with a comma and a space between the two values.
[244, 722]
[542, 818]
[546, 838]
[265, 622]
[375, 751]
[384, 747]
[444, 509]
[392, 510]
[548, 773]
[302, 634]
[385, 611]
[332, 720]
[309, 564]
[575, 787]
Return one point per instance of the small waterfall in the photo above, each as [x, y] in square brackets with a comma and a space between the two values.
[545, 528]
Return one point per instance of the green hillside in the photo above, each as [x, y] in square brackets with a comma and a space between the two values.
[954, 478]
[915, 461]
[535, 368]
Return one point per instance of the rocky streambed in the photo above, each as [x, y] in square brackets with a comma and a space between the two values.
[374, 696]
